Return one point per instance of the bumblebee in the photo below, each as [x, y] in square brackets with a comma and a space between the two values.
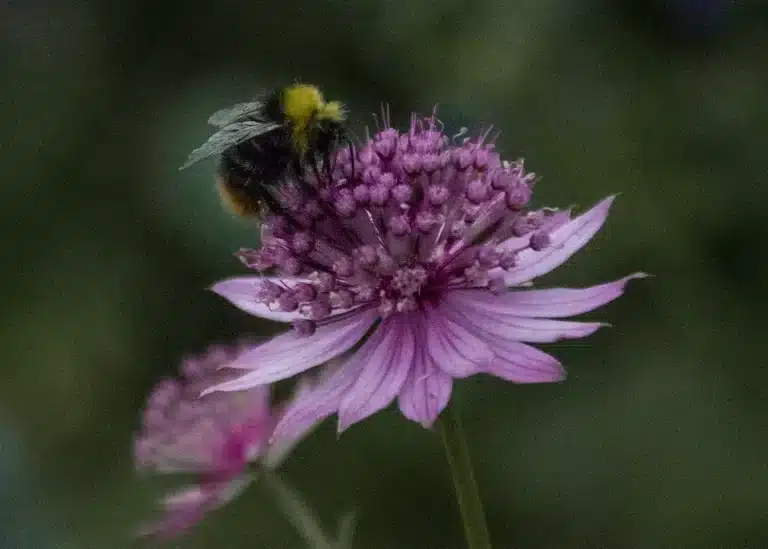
[262, 142]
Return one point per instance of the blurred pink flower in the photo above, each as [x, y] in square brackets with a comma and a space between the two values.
[424, 245]
[213, 438]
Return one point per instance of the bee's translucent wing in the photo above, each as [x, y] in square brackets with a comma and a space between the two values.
[226, 137]
[237, 111]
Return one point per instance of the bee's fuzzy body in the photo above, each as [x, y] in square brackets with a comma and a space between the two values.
[261, 143]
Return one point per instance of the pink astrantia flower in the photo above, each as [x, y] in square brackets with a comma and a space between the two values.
[409, 262]
[213, 438]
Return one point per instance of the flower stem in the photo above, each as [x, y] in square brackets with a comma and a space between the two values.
[297, 512]
[467, 494]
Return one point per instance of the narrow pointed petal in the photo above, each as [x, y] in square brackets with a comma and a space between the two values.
[318, 403]
[515, 328]
[290, 353]
[521, 363]
[189, 495]
[278, 449]
[242, 292]
[388, 360]
[553, 303]
[427, 390]
[184, 509]
[566, 240]
[452, 348]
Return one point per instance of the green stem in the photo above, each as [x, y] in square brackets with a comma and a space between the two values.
[297, 512]
[467, 494]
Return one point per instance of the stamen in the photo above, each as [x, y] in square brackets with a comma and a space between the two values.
[319, 308]
[342, 299]
[412, 164]
[539, 241]
[425, 221]
[343, 267]
[517, 196]
[399, 225]
[287, 302]
[269, 291]
[387, 180]
[477, 191]
[437, 195]
[291, 266]
[303, 242]
[430, 163]
[304, 292]
[402, 193]
[461, 158]
[346, 205]
[362, 194]
[371, 175]
[304, 327]
[365, 256]
[497, 286]
[322, 281]
[379, 195]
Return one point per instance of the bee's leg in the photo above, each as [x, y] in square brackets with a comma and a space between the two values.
[301, 180]
[351, 156]
[317, 172]
[298, 169]
[327, 162]
[300, 173]
[272, 203]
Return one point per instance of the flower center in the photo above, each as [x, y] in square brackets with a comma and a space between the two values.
[397, 221]
[400, 292]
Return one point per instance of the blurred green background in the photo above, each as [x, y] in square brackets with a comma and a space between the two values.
[658, 437]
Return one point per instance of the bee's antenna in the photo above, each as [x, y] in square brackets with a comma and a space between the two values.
[350, 132]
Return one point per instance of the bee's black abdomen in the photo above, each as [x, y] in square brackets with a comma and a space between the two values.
[263, 160]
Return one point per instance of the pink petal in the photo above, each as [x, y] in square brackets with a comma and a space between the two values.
[242, 291]
[427, 390]
[515, 328]
[185, 497]
[521, 363]
[319, 403]
[388, 360]
[552, 303]
[565, 241]
[452, 348]
[288, 354]
[184, 509]
[278, 448]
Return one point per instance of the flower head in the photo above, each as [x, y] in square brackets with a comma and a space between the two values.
[419, 247]
[213, 438]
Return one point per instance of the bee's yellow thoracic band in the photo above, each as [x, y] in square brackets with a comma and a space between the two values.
[300, 104]
[303, 104]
